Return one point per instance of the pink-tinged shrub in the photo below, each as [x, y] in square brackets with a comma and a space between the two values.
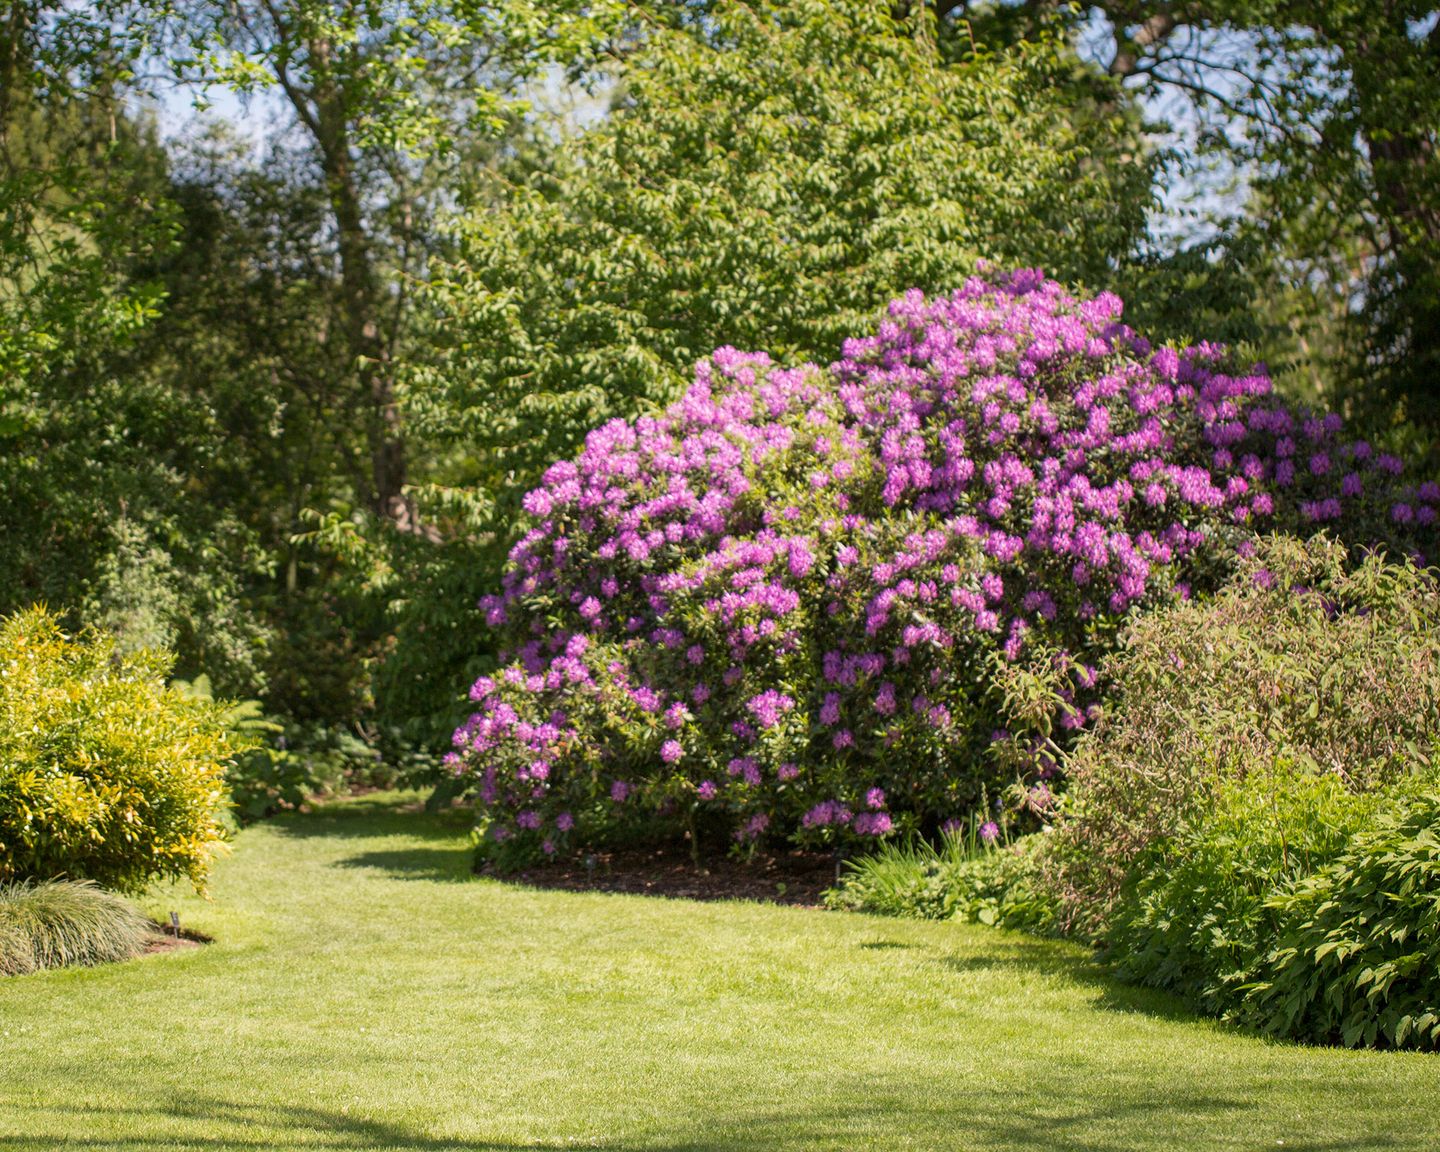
[783, 601]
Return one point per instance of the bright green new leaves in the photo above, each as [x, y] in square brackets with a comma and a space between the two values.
[1358, 953]
[766, 180]
[106, 774]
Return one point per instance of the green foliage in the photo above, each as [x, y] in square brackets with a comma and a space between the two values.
[76, 195]
[280, 766]
[56, 923]
[768, 176]
[1251, 824]
[1329, 115]
[106, 773]
[262, 777]
[433, 654]
[963, 879]
[1304, 663]
[94, 455]
[1356, 957]
[1353, 199]
[102, 453]
[267, 780]
[767, 179]
[1296, 907]
[1193, 915]
[296, 763]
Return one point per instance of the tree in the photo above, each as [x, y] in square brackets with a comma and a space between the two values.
[768, 180]
[84, 463]
[76, 192]
[382, 95]
[1331, 112]
[768, 176]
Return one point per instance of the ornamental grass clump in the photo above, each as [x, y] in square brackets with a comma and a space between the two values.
[780, 607]
[968, 877]
[56, 923]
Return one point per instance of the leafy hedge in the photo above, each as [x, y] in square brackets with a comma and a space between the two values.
[1305, 665]
[784, 603]
[106, 773]
[1357, 954]
[1193, 916]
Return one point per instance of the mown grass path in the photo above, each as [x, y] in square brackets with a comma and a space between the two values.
[366, 993]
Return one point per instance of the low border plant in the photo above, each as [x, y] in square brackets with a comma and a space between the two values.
[1356, 955]
[970, 875]
[57, 923]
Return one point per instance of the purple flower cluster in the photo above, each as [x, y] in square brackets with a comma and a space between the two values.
[778, 599]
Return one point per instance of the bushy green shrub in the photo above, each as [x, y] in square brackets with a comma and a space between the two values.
[1306, 911]
[1304, 664]
[1357, 952]
[106, 773]
[963, 879]
[1193, 916]
[263, 777]
[1252, 822]
[59, 922]
[293, 763]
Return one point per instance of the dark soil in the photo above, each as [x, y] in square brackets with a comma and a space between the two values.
[796, 878]
[165, 940]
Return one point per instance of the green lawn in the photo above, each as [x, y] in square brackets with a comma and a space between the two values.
[365, 993]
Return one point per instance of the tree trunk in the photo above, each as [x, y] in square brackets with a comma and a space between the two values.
[362, 305]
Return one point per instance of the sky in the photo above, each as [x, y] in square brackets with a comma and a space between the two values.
[1192, 200]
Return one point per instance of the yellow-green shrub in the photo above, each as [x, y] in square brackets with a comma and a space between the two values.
[106, 774]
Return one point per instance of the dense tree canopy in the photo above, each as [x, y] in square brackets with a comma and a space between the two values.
[767, 181]
[1330, 113]
[272, 400]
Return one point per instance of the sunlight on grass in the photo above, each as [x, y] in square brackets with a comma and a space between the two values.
[364, 992]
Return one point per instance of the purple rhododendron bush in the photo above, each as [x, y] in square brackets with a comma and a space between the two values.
[807, 601]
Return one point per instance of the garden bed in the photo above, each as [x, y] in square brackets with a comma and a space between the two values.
[794, 878]
[166, 940]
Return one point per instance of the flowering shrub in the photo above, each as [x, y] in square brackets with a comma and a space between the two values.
[780, 605]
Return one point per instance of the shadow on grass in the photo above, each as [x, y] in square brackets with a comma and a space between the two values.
[1016, 957]
[391, 814]
[365, 817]
[403, 814]
[974, 1119]
[447, 865]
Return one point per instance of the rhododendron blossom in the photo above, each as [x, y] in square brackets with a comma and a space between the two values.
[784, 599]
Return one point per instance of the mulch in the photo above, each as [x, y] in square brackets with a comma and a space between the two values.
[165, 940]
[797, 878]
